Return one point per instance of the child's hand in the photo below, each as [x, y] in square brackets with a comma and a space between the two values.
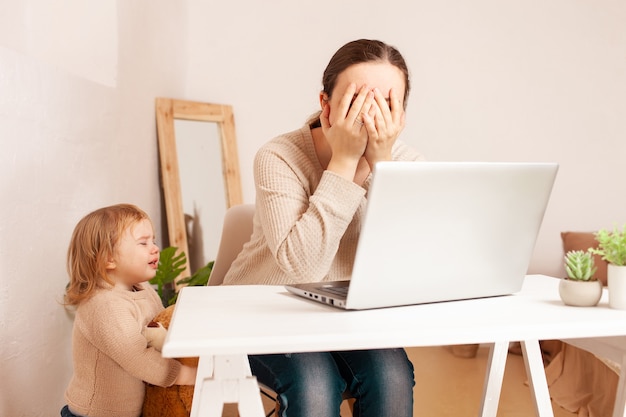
[155, 335]
[186, 375]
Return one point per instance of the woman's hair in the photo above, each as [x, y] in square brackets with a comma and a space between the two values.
[93, 245]
[357, 52]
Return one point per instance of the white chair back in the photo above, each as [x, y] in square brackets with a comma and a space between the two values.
[236, 231]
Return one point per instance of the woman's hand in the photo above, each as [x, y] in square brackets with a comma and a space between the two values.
[343, 127]
[383, 123]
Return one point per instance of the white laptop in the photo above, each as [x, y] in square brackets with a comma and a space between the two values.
[442, 231]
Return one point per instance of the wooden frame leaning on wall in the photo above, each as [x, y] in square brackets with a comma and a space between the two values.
[167, 111]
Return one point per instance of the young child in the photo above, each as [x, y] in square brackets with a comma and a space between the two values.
[112, 255]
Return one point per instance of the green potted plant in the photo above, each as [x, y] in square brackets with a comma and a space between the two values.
[170, 267]
[612, 248]
[580, 287]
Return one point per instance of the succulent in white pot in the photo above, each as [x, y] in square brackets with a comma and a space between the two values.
[612, 248]
[580, 287]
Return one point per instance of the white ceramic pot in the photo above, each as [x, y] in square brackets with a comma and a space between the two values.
[616, 277]
[580, 293]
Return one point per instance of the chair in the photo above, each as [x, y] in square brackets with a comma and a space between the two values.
[236, 232]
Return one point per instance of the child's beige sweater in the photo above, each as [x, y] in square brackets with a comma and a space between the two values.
[111, 357]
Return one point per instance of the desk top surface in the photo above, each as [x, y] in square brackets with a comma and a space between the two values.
[268, 319]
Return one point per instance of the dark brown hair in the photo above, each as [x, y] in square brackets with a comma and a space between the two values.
[357, 52]
[360, 51]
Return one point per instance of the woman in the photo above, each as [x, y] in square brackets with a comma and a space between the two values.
[311, 187]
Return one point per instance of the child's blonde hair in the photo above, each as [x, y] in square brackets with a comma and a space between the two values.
[93, 245]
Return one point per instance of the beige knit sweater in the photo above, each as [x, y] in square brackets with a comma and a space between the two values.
[307, 220]
[110, 354]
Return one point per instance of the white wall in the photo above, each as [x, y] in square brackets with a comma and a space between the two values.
[492, 80]
[77, 132]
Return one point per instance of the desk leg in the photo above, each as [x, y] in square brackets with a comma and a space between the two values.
[225, 379]
[205, 372]
[493, 378]
[537, 378]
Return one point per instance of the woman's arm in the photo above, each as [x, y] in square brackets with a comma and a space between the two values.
[303, 221]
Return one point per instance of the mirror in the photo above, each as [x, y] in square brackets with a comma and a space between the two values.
[199, 174]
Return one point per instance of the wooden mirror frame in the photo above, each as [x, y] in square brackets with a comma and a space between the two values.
[168, 110]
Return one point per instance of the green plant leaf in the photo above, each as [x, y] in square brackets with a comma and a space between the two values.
[170, 267]
[611, 245]
[580, 265]
[200, 277]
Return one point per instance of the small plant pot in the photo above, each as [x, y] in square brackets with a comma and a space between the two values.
[616, 276]
[580, 293]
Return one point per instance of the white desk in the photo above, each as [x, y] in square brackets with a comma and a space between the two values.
[223, 324]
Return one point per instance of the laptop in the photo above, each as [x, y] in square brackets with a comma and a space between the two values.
[442, 231]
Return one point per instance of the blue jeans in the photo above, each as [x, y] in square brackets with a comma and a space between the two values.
[65, 412]
[311, 384]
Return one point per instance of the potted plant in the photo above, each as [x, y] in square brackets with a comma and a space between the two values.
[612, 248]
[580, 287]
[170, 267]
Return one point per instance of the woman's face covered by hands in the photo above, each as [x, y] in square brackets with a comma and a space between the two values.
[366, 103]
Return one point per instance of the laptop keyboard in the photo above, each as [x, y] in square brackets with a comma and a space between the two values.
[342, 291]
